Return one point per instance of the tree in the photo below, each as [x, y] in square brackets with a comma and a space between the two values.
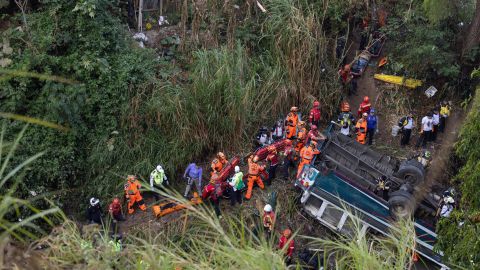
[473, 36]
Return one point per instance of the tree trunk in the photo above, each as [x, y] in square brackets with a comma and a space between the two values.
[473, 36]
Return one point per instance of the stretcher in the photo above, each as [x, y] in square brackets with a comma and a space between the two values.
[410, 83]
[360, 63]
[220, 184]
[169, 207]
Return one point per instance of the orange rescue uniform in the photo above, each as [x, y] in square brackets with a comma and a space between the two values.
[291, 128]
[307, 154]
[216, 166]
[301, 136]
[253, 177]
[132, 193]
[361, 131]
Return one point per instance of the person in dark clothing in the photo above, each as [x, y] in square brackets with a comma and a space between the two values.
[94, 212]
[372, 125]
[406, 124]
[353, 86]
[272, 158]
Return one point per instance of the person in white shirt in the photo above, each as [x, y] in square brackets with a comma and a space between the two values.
[406, 124]
[426, 131]
[436, 123]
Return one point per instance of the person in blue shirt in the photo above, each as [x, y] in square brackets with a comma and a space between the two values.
[372, 125]
[193, 174]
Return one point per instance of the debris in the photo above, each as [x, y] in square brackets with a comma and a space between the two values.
[261, 7]
[430, 92]
[410, 83]
[162, 20]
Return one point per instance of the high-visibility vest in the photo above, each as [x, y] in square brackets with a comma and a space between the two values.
[158, 176]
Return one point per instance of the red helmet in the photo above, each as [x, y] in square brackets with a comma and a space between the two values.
[116, 201]
[316, 103]
[314, 127]
[287, 233]
[366, 99]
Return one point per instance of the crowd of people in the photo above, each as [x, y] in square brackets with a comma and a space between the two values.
[301, 141]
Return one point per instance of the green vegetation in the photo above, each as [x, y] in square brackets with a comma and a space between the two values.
[459, 234]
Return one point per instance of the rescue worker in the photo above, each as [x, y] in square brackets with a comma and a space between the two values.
[94, 212]
[212, 192]
[314, 135]
[436, 123]
[301, 136]
[406, 125]
[222, 158]
[364, 106]
[344, 75]
[361, 129]
[193, 175]
[424, 159]
[372, 125]
[291, 123]
[158, 180]
[132, 194]
[254, 170]
[307, 154]
[278, 131]
[237, 184]
[216, 166]
[268, 219]
[426, 130]
[345, 119]
[444, 114]
[272, 158]
[115, 210]
[446, 208]
[315, 114]
[284, 240]
[288, 159]
[383, 187]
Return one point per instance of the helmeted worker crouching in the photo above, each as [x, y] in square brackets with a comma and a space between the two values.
[254, 170]
[132, 194]
[307, 154]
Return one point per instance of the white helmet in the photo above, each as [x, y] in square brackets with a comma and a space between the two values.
[159, 168]
[237, 169]
[94, 201]
[267, 208]
[448, 199]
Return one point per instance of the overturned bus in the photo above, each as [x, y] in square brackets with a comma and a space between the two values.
[345, 180]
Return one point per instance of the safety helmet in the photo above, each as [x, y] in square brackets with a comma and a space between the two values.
[267, 208]
[365, 114]
[316, 103]
[116, 200]
[372, 110]
[237, 169]
[255, 159]
[301, 123]
[159, 168]
[427, 154]
[94, 201]
[293, 109]
[366, 99]
[221, 155]
[345, 107]
[314, 127]
[448, 199]
[131, 177]
[287, 233]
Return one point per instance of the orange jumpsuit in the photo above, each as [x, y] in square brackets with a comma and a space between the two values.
[291, 128]
[132, 193]
[253, 176]
[302, 134]
[361, 131]
[224, 161]
[216, 167]
[307, 154]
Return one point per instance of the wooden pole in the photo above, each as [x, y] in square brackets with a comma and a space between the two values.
[140, 16]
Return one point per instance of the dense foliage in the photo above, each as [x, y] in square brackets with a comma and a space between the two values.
[459, 234]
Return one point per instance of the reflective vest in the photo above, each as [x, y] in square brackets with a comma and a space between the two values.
[254, 168]
[445, 111]
[301, 134]
[158, 177]
[216, 167]
[361, 131]
[268, 219]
